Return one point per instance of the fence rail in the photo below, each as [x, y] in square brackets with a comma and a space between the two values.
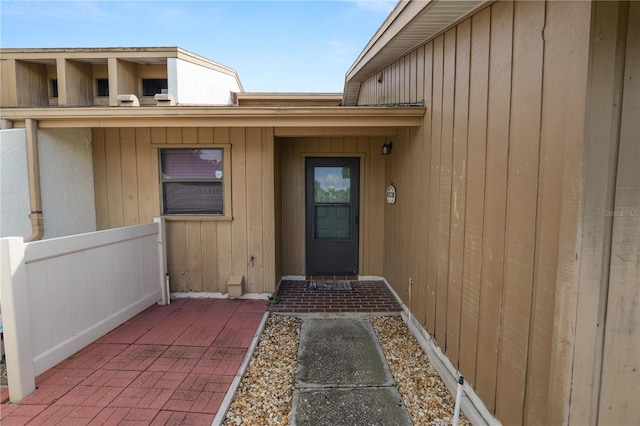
[59, 295]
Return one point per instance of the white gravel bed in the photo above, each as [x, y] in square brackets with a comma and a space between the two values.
[423, 392]
[266, 391]
[265, 394]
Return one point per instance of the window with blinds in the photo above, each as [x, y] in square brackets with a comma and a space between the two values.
[192, 181]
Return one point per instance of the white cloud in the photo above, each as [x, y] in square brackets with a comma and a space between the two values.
[333, 180]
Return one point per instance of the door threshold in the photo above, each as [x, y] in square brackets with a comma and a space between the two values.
[339, 277]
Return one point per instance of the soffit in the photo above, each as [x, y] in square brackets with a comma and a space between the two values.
[411, 24]
[92, 60]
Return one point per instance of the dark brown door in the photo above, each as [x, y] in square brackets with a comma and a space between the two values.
[332, 215]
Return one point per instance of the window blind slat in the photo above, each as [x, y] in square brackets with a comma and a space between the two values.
[193, 198]
[191, 164]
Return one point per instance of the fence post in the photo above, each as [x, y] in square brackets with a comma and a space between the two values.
[15, 318]
[162, 256]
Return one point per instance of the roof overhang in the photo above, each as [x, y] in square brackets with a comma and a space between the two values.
[289, 99]
[138, 55]
[101, 55]
[291, 117]
[411, 24]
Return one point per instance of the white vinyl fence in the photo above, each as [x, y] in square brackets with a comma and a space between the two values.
[59, 295]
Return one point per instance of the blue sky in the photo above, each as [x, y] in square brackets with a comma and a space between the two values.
[281, 46]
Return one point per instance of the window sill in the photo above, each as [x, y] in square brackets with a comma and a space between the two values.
[201, 218]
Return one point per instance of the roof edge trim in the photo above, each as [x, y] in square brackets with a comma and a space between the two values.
[160, 116]
[407, 14]
[393, 25]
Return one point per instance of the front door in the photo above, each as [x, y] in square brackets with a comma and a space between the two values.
[332, 215]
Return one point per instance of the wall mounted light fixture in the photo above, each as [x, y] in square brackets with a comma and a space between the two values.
[386, 148]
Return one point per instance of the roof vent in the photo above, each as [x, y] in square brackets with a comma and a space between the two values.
[164, 99]
[128, 100]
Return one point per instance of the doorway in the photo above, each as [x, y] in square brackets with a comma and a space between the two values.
[332, 215]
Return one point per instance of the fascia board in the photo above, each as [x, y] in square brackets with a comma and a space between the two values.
[407, 28]
[217, 116]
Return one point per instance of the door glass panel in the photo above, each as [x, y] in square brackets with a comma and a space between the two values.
[332, 222]
[332, 184]
[332, 198]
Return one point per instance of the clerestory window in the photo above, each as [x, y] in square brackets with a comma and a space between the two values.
[154, 86]
[102, 86]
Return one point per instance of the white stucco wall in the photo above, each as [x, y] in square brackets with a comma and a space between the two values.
[14, 184]
[66, 180]
[194, 84]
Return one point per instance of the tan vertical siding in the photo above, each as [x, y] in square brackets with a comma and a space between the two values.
[458, 191]
[100, 178]
[422, 193]
[475, 181]
[414, 257]
[127, 81]
[434, 184]
[486, 200]
[201, 253]
[293, 262]
[159, 135]
[269, 242]
[174, 135]
[9, 92]
[254, 202]
[374, 191]
[595, 349]
[190, 135]
[278, 197]
[239, 241]
[224, 266]
[24, 84]
[621, 357]
[35, 87]
[557, 39]
[209, 253]
[522, 190]
[194, 243]
[130, 192]
[491, 287]
[601, 154]
[147, 174]
[444, 198]
[204, 135]
[177, 256]
[78, 82]
[115, 199]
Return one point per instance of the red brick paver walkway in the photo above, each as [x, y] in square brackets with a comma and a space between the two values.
[168, 365]
[366, 296]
